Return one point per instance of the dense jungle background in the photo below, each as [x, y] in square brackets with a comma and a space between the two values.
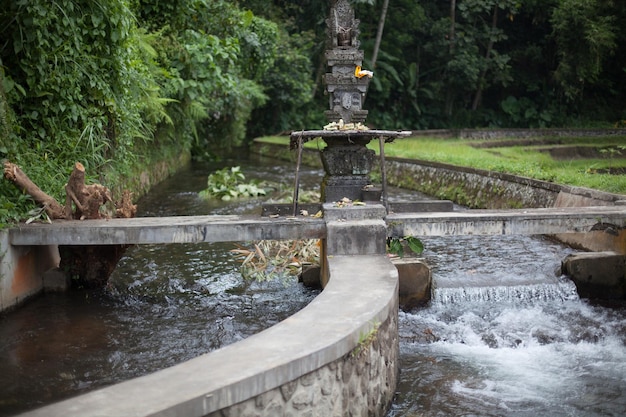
[121, 84]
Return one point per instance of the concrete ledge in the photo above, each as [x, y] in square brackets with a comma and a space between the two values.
[361, 294]
[370, 211]
[420, 206]
[177, 229]
[503, 222]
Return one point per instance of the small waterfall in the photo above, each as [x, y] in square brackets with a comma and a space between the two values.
[502, 290]
[504, 336]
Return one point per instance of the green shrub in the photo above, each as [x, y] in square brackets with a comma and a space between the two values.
[228, 183]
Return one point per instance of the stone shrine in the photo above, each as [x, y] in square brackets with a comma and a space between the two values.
[347, 160]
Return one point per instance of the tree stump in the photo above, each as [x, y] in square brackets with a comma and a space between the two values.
[86, 198]
[90, 266]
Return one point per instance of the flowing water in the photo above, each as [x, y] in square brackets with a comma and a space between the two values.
[503, 336]
[525, 345]
[165, 304]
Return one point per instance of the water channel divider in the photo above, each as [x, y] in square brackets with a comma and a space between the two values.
[337, 356]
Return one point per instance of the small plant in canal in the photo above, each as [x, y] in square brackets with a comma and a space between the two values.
[366, 340]
[228, 183]
[395, 245]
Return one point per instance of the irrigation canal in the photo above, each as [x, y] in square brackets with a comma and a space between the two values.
[504, 349]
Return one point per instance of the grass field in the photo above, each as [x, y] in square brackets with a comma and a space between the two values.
[592, 162]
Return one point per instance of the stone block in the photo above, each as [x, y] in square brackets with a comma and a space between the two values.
[347, 160]
[371, 194]
[337, 192]
[370, 211]
[415, 282]
[55, 280]
[597, 274]
[362, 237]
[311, 277]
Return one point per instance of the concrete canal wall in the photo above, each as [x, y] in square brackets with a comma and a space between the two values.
[476, 188]
[22, 270]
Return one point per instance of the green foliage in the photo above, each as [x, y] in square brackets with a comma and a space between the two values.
[109, 82]
[586, 32]
[214, 55]
[76, 66]
[227, 183]
[524, 112]
[289, 82]
[78, 87]
[440, 69]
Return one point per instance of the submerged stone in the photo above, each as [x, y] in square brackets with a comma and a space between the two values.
[597, 274]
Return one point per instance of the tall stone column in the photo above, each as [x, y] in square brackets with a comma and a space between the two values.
[347, 161]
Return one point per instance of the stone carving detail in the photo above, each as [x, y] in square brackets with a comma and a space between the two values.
[343, 56]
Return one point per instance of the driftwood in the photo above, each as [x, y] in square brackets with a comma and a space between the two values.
[81, 202]
[88, 266]
[124, 207]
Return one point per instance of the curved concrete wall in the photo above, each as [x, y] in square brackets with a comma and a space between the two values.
[337, 356]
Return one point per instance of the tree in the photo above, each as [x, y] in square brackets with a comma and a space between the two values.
[379, 32]
[215, 56]
[586, 34]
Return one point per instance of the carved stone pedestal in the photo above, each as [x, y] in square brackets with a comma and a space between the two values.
[347, 170]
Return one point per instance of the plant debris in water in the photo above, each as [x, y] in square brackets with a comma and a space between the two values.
[269, 259]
